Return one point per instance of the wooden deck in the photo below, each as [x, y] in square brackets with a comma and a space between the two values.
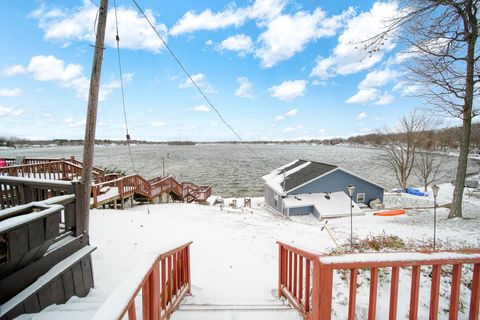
[109, 189]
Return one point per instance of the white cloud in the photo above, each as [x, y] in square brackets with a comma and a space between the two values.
[6, 111]
[349, 56]
[201, 80]
[158, 124]
[77, 24]
[289, 129]
[11, 92]
[289, 90]
[18, 112]
[291, 113]
[201, 108]
[51, 69]
[13, 70]
[368, 88]
[287, 35]
[240, 43]
[384, 99]
[244, 89]
[361, 115]
[378, 78]
[232, 16]
[406, 89]
[364, 95]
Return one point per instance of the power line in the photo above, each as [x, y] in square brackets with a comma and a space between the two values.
[191, 79]
[117, 37]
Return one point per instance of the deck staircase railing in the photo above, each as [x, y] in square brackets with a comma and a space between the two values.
[160, 283]
[53, 170]
[71, 169]
[295, 280]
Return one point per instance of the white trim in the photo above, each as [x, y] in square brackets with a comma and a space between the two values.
[363, 196]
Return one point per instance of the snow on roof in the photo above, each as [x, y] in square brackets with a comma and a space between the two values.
[329, 204]
[276, 178]
[295, 174]
[300, 172]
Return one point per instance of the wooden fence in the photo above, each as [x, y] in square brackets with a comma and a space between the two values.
[160, 283]
[295, 280]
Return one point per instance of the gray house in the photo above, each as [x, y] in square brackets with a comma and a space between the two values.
[308, 187]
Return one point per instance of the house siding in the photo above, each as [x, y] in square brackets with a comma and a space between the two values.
[338, 180]
[270, 199]
[299, 211]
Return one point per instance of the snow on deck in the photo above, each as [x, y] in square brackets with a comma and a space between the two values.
[234, 255]
[331, 204]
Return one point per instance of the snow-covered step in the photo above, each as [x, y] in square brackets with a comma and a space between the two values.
[263, 314]
[238, 310]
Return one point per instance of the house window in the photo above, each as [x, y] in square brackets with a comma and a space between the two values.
[275, 199]
[360, 197]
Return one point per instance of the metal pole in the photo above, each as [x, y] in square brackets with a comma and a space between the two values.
[351, 224]
[163, 166]
[90, 127]
[434, 220]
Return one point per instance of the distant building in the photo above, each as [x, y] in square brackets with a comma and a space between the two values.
[308, 187]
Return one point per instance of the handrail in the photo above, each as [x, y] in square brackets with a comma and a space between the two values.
[71, 169]
[318, 304]
[162, 282]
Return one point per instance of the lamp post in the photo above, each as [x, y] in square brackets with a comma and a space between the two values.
[163, 164]
[435, 189]
[351, 190]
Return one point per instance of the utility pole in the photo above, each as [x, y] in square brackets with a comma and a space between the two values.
[90, 127]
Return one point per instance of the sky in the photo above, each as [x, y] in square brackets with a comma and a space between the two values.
[274, 69]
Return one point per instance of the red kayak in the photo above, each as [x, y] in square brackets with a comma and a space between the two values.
[389, 213]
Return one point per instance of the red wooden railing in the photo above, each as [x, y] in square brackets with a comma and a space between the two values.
[71, 169]
[160, 284]
[300, 270]
[53, 170]
[294, 276]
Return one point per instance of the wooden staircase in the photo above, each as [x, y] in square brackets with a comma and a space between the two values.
[108, 189]
[239, 310]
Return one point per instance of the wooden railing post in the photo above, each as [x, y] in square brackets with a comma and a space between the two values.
[280, 271]
[80, 226]
[475, 293]
[155, 292]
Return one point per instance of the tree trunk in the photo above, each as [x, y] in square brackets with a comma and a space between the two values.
[456, 209]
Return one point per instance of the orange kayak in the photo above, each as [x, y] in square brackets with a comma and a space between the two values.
[389, 213]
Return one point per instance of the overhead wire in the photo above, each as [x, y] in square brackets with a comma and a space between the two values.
[191, 79]
[117, 38]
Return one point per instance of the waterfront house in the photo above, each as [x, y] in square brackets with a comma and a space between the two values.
[308, 187]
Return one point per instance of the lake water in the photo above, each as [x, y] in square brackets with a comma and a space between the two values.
[232, 170]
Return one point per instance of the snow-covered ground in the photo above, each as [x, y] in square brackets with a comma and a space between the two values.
[234, 252]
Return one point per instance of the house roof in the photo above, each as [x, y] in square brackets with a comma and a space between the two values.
[300, 172]
[295, 174]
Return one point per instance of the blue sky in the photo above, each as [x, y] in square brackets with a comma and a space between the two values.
[275, 69]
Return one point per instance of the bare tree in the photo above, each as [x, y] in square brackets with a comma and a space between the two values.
[400, 146]
[428, 166]
[441, 36]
